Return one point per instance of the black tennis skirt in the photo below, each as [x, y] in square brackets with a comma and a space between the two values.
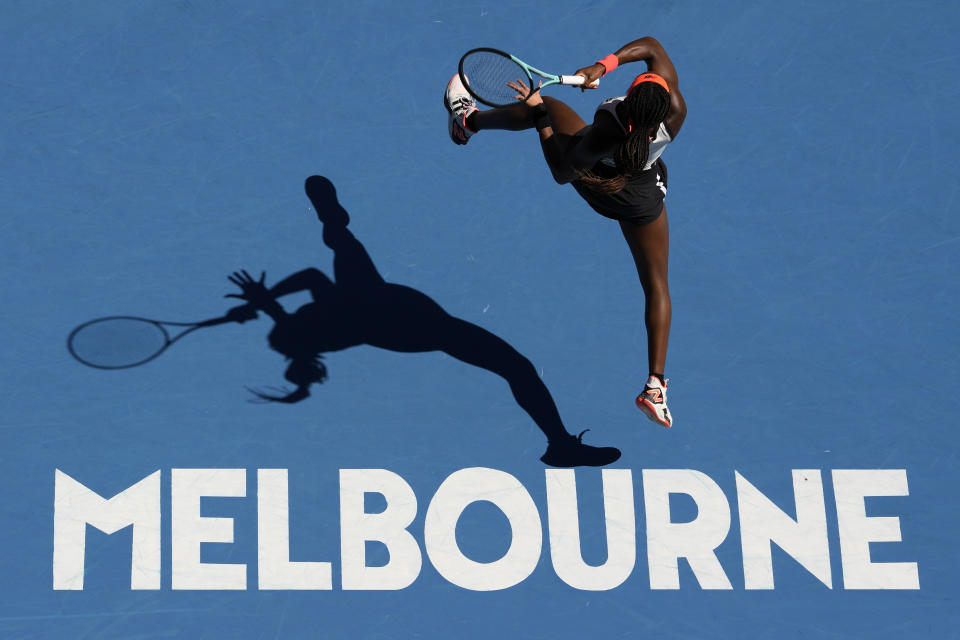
[639, 202]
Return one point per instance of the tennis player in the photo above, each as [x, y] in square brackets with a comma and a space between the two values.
[615, 165]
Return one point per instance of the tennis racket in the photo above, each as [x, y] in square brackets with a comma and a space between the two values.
[485, 73]
[120, 342]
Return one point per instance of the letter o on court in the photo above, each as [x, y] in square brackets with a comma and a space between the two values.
[458, 491]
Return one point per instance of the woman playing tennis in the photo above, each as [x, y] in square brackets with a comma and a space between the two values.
[615, 166]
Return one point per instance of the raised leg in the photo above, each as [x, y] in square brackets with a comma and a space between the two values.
[352, 266]
[566, 125]
[518, 117]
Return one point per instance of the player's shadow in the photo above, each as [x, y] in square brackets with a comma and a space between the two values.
[358, 307]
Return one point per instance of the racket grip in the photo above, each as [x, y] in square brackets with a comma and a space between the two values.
[576, 81]
[212, 322]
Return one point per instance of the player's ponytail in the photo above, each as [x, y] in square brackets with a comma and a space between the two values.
[646, 106]
[302, 372]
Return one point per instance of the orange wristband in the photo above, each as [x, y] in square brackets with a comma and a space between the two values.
[609, 63]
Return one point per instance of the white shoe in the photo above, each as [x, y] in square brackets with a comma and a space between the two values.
[653, 401]
[459, 104]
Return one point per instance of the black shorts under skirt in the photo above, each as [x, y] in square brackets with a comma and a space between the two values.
[639, 202]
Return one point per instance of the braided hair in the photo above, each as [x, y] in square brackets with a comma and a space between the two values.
[646, 106]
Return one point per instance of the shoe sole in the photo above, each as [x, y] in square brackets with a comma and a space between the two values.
[650, 411]
[568, 464]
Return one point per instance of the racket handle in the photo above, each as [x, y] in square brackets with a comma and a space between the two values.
[576, 81]
[214, 321]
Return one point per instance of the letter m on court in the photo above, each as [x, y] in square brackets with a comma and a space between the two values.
[76, 506]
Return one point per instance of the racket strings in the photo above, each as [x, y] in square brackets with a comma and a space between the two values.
[113, 343]
[487, 74]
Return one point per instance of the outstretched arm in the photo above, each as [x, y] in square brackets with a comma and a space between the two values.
[309, 279]
[260, 298]
[648, 50]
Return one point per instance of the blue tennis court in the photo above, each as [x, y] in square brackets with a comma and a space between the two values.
[149, 150]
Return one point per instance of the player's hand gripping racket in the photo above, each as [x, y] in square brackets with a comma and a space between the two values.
[119, 342]
[485, 73]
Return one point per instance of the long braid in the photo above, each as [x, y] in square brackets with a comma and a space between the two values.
[646, 106]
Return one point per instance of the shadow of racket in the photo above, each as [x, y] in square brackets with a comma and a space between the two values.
[121, 342]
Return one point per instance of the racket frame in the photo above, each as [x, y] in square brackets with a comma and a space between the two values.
[159, 324]
[549, 78]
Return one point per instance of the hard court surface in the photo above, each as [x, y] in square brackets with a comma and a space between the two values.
[150, 149]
